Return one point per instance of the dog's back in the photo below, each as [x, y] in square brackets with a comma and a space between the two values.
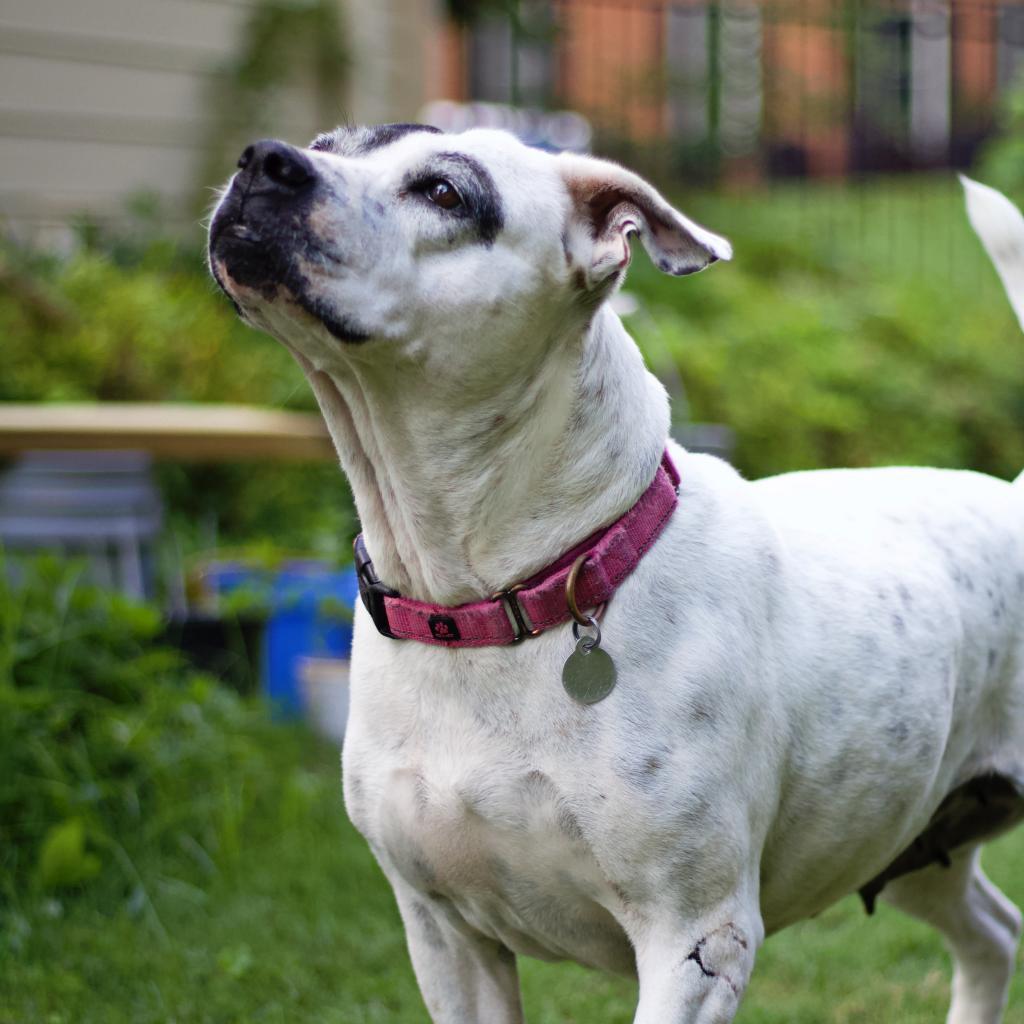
[916, 577]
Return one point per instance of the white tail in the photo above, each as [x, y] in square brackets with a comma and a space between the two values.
[1000, 227]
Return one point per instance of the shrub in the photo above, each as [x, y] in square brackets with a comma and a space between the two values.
[1001, 161]
[137, 319]
[110, 748]
[817, 358]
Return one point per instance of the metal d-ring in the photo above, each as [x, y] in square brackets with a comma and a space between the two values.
[570, 594]
[580, 618]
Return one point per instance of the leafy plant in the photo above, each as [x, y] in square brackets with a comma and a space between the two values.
[127, 319]
[817, 358]
[1001, 162]
[110, 748]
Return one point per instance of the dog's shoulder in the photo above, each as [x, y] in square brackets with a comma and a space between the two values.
[720, 523]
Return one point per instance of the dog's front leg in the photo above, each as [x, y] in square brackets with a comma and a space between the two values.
[464, 977]
[695, 973]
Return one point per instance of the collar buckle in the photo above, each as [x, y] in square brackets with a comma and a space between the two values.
[371, 590]
[516, 613]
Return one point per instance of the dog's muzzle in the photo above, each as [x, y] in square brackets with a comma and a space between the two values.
[260, 235]
[268, 203]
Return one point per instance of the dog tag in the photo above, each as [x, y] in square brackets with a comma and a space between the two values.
[588, 674]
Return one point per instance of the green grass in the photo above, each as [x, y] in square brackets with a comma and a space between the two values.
[303, 928]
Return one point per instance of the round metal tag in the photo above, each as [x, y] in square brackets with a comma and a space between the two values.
[588, 674]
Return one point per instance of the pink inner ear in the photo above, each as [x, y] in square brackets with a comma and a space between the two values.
[616, 203]
[600, 204]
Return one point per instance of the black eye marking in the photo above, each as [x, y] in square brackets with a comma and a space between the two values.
[384, 134]
[480, 201]
[352, 140]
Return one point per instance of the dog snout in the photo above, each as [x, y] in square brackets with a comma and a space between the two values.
[273, 165]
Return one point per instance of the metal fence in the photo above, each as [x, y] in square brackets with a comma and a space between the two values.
[772, 88]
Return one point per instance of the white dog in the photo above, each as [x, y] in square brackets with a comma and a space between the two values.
[811, 685]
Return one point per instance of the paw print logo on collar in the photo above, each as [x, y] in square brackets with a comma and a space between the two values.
[443, 627]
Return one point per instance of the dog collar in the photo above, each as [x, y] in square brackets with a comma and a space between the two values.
[601, 563]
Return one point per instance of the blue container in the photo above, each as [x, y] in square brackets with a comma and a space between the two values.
[310, 609]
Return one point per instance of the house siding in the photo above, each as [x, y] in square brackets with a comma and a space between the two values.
[100, 100]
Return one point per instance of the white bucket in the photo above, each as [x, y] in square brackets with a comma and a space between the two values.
[323, 683]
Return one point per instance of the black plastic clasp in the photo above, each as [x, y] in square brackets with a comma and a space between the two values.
[371, 590]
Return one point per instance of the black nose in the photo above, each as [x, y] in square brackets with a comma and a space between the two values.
[277, 163]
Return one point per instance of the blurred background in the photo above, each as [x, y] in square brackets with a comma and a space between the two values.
[175, 600]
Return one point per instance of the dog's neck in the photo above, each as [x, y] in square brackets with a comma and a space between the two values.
[459, 499]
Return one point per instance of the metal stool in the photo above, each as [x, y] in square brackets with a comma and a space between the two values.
[103, 505]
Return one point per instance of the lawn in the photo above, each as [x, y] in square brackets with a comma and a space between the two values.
[303, 927]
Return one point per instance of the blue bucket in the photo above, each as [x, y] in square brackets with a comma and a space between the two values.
[310, 609]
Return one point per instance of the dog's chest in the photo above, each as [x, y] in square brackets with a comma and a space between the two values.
[479, 825]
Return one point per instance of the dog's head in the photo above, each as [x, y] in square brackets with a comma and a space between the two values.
[405, 239]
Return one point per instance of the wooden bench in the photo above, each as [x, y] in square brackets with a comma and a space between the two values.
[166, 431]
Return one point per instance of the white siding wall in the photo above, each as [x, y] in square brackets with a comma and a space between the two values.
[392, 47]
[103, 98]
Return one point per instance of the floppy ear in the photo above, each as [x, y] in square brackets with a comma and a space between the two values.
[609, 204]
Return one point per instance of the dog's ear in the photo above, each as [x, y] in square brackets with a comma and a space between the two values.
[609, 204]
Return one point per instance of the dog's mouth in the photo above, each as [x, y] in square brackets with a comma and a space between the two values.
[254, 265]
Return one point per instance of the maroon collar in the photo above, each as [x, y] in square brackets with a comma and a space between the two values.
[529, 608]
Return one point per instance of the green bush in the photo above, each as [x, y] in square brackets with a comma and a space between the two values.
[111, 750]
[855, 327]
[137, 319]
[1001, 162]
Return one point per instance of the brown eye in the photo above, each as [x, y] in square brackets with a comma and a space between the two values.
[442, 193]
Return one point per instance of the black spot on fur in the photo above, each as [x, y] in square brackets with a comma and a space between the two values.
[428, 927]
[569, 824]
[425, 874]
[898, 732]
[623, 896]
[642, 771]
[702, 712]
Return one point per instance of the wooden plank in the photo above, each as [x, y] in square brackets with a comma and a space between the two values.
[174, 431]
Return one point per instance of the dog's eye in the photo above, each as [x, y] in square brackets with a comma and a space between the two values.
[442, 193]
